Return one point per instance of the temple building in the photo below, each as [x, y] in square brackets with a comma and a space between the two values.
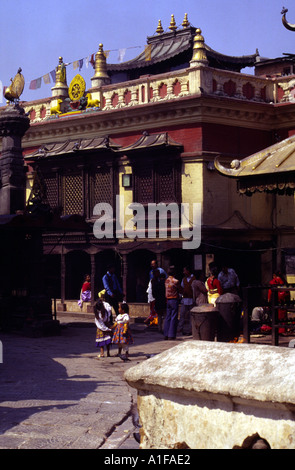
[163, 129]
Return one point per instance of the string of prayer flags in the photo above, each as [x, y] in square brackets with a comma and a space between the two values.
[78, 64]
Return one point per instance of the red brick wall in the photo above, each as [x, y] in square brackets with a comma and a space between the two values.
[234, 140]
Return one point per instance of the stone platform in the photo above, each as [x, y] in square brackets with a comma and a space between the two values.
[209, 395]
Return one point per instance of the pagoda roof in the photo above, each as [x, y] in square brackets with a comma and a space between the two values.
[164, 47]
[270, 170]
[147, 142]
[72, 146]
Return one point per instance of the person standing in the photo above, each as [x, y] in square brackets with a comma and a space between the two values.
[103, 324]
[186, 302]
[199, 289]
[122, 334]
[158, 290]
[114, 293]
[229, 280]
[172, 291]
[154, 266]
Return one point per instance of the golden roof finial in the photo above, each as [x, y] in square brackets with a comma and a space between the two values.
[199, 50]
[185, 23]
[172, 26]
[159, 29]
[100, 63]
[60, 73]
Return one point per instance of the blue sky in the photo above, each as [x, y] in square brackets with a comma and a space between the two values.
[34, 33]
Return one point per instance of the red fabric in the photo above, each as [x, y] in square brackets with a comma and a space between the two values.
[86, 286]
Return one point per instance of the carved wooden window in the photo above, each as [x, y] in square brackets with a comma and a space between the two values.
[51, 185]
[144, 184]
[157, 182]
[102, 187]
[72, 194]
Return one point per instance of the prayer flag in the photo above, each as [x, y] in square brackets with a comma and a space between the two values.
[92, 61]
[46, 78]
[87, 61]
[33, 85]
[38, 82]
[106, 54]
[52, 73]
[121, 54]
[80, 64]
[75, 64]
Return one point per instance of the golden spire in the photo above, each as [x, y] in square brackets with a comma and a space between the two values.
[159, 29]
[199, 50]
[172, 26]
[100, 64]
[60, 74]
[185, 23]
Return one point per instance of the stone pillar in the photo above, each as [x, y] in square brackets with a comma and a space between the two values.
[13, 125]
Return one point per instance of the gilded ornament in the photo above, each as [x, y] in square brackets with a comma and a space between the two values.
[287, 25]
[77, 88]
[16, 88]
[159, 29]
[185, 23]
[60, 76]
[172, 26]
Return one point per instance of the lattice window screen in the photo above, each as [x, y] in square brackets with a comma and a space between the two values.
[144, 185]
[51, 190]
[102, 187]
[166, 184]
[72, 194]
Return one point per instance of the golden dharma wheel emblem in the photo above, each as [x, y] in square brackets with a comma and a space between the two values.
[77, 88]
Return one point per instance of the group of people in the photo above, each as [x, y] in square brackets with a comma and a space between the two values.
[165, 292]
